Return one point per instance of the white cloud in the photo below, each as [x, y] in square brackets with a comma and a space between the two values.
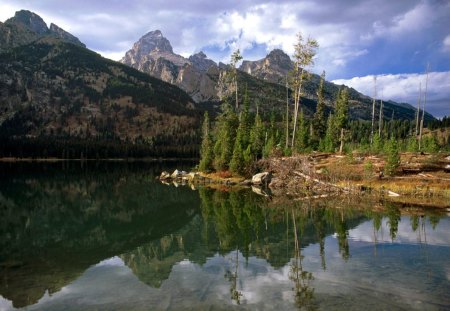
[7, 11]
[5, 304]
[405, 88]
[446, 44]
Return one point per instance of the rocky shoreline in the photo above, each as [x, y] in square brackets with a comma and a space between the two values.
[323, 175]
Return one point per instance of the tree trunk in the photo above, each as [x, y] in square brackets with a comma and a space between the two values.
[296, 108]
[287, 113]
[236, 85]
[341, 147]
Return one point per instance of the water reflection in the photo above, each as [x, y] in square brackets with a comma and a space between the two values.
[173, 248]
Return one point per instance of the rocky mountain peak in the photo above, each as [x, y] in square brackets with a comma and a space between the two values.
[30, 20]
[151, 41]
[26, 27]
[274, 67]
[201, 61]
[280, 58]
[61, 33]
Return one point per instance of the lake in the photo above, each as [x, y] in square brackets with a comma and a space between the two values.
[108, 236]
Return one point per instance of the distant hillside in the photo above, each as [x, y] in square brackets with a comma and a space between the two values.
[54, 91]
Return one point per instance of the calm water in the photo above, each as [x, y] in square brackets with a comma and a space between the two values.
[107, 236]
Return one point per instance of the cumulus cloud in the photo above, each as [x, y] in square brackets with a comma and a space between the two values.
[405, 88]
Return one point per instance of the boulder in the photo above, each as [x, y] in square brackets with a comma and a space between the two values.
[447, 168]
[164, 175]
[193, 176]
[261, 178]
[176, 174]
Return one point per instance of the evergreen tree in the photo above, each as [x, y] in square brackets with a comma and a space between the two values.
[327, 144]
[235, 58]
[257, 137]
[237, 164]
[302, 137]
[342, 115]
[320, 121]
[245, 121]
[226, 126]
[430, 144]
[412, 145]
[206, 151]
[377, 143]
[268, 147]
[393, 156]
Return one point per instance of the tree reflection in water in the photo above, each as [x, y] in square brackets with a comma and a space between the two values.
[303, 291]
[46, 219]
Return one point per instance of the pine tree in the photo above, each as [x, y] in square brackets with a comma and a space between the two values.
[206, 151]
[327, 144]
[393, 157]
[245, 121]
[235, 58]
[257, 137]
[342, 115]
[377, 143]
[302, 137]
[320, 121]
[237, 164]
[226, 133]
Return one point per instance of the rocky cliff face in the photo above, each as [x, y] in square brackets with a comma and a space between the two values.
[56, 31]
[274, 67]
[201, 61]
[26, 27]
[154, 55]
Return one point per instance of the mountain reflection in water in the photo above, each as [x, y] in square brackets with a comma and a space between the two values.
[107, 236]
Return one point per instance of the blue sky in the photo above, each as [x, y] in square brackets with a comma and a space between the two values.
[393, 39]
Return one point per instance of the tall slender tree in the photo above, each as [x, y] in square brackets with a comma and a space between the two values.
[373, 107]
[423, 108]
[342, 115]
[320, 121]
[287, 114]
[257, 137]
[206, 151]
[235, 58]
[380, 120]
[418, 109]
[304, 53]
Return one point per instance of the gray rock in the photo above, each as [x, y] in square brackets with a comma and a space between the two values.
[263, 178]
[164, 175]
[176, 174]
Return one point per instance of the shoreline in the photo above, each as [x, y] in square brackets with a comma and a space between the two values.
[320, 176]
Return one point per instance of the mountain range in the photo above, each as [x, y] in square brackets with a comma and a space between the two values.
[199, 76]
[151, 102]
